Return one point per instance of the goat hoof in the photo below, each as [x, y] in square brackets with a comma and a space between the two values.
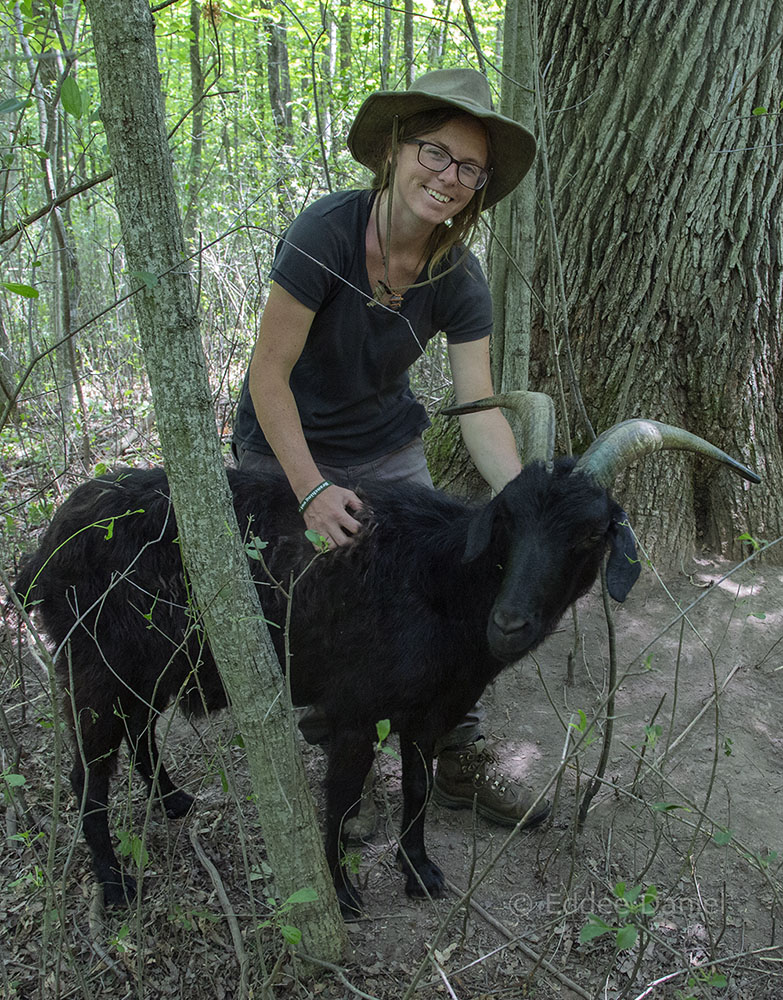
[350, 903]
[426, 880]
[177, 803]
[119, 889]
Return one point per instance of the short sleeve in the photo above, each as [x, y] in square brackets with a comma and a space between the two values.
[464, 310]
[310, 255]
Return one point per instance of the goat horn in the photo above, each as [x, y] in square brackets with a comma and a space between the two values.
[624, 443]
[536, 414]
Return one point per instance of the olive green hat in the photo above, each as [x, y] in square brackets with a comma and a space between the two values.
[513, 146]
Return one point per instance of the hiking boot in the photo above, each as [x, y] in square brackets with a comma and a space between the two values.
[363, 825]
[474, 773]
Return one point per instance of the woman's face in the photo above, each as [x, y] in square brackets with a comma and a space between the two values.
[433, 197]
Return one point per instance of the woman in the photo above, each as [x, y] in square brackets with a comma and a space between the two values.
[361, 280]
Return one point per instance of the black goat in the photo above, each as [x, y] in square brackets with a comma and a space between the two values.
[409, 624]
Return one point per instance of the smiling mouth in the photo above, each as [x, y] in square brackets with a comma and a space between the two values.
[442, 198]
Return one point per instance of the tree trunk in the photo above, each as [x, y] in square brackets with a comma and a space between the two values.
[513, 240]
[278, 80]
[436, 41]
[345, 41]
[386, 32]
[196, 122]
[407, 43]
[132, 111]
[667, 187]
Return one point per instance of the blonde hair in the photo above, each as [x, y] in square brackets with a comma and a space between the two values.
[462, 228]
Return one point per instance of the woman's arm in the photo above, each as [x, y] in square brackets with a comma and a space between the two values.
[283, 331]
[487, 435]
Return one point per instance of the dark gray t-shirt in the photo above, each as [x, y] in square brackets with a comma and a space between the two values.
[351, 381]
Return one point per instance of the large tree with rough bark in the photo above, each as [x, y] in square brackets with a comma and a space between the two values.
[664, 143]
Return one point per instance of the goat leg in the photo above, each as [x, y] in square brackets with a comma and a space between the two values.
[119, 888]
[143, 748]
[424, 877]
[350, 759]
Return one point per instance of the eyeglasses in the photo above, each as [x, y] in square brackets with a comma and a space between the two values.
[436, 158]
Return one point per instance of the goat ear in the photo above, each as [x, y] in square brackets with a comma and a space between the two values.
[480, 532]
[623, 567]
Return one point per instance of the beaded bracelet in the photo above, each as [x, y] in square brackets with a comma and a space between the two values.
[306, 501]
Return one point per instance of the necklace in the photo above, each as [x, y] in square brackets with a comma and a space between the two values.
[382, 286]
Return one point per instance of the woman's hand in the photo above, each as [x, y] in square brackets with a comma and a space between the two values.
[329, 514]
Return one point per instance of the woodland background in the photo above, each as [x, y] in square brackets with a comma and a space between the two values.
[636, 272]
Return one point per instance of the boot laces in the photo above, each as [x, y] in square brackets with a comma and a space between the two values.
[481, 764]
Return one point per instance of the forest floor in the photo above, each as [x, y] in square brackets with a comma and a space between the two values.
[688, 819]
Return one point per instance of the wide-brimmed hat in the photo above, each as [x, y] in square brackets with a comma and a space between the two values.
[513, 146]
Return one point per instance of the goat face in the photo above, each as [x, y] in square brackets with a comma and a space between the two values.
[550, 529]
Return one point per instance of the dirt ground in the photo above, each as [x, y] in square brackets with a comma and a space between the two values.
[688, 817]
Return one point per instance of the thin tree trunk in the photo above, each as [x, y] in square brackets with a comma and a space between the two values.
[514, 218]
[345, 40]
[196, 122]
[407, 42]
[667, 189]
[132, 111]
[279, 81]
[474, 36]
[385, 66]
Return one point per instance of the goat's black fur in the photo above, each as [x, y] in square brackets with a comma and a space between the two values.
[408, 624]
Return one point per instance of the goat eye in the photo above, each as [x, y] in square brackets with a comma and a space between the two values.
[590, 541]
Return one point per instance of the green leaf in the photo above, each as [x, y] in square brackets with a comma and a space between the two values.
[317, 540]
[759, 111]
[594, 929]
[255, 547]
[632, 894]
[302, 896]
[26, 291]
[71, 97]
[14, 780]
[147, 278]
[626, 937]
[11, 104]
[382, 728]
[292, 934]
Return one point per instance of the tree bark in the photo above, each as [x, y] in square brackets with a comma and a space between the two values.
[513, 234]
[407, 43]
[667, 191]
[196, 123]
[279, 80]
[385, 53]
[133, 115]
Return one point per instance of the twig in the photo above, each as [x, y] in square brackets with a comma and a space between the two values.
[712, 698]
[592, 788]
[338, 972]
[228, 910]
[525, 949]
[705, 965]
[97, 933]
[444, 977]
